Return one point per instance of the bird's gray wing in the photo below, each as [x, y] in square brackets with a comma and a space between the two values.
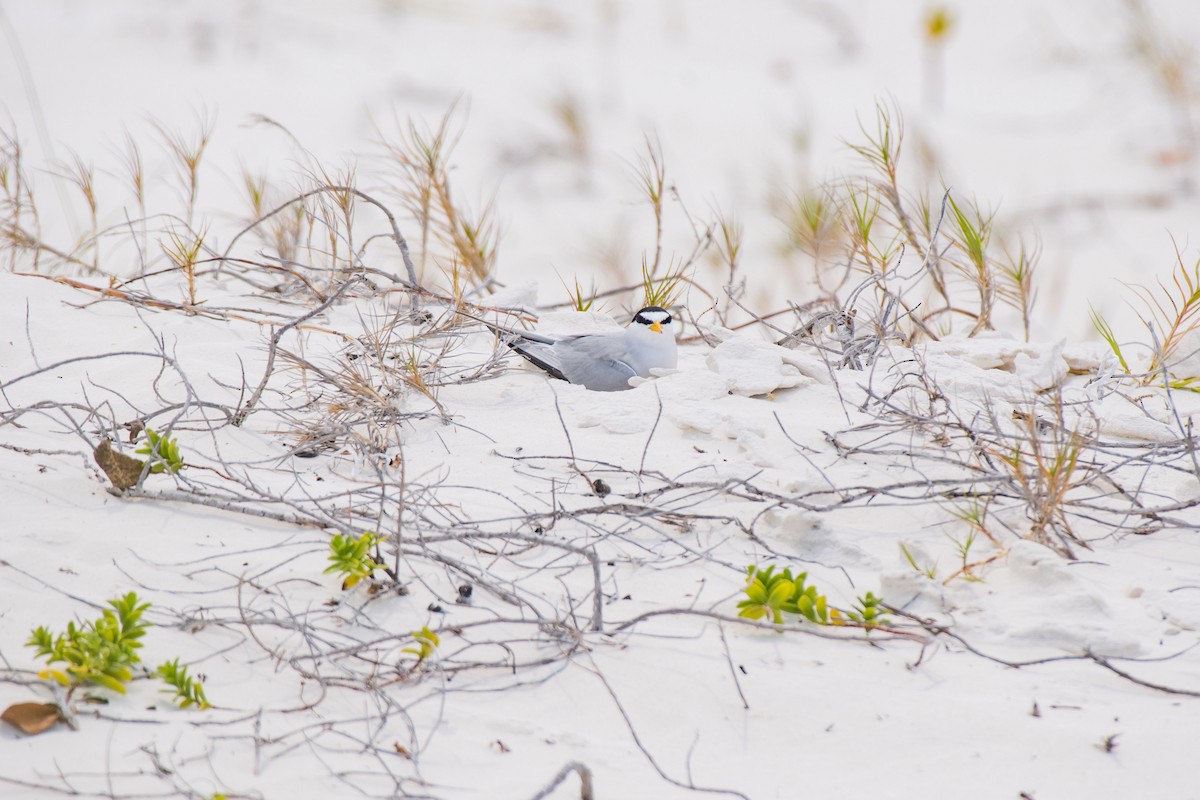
[533, 347]
[539, 353]
[597, 361]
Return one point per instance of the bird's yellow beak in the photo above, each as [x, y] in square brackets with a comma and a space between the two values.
[656, 327]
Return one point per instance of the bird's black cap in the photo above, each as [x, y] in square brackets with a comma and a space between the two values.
[651, 314]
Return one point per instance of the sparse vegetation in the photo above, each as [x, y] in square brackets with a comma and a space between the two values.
[871, 224]
[426, 644]
[163, 452]
[102, 652]
[1171, 316]
[188, 691]
[371, 362]
[351, 557]
[773, 594]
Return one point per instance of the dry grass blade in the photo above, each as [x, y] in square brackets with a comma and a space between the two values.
[19, 223]
[881, 152]
[135, 172]
[730, 238]
[82, 176]
[652, 179]
[568, 111]
[186, 154]
[422, 159]
[1016, 288]
[1173, 313]
[1044, 463]
[184, 251]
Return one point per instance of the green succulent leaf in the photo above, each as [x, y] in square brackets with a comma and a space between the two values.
[781, 593]
[163, 452]
[756, 592]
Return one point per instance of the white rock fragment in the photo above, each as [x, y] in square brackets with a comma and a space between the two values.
[989, 369]
[752, 367]
[912, 591]
[1144, 422]
[1047, 602]
[1136, 427]
[571, 323]
[809, 366]
[807, 535]
[519, 297]
[1086, 356]
[1187, 489]
[1045, 368]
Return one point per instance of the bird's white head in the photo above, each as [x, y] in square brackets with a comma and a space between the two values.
[651, 340]
[655, 318]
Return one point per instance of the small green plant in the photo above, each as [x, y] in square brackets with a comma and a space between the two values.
[415, 370]
[1106, 333]
[974, 512]
[868, 611]
[580, 300]
[100, 652]
[928, 570]
[185, 251]
[163, 452]
[426, 643]
[963, 547]
[770, 593]
[188, 691]
[971, 233]
[351, 557]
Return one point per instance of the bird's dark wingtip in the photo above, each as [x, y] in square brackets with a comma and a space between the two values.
[552, 371]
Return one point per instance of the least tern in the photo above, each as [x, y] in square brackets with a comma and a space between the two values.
[603, 362]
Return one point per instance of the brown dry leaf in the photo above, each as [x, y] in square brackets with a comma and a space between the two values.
[31, 718]
[121, 469]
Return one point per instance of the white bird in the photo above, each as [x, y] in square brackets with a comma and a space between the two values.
[603, 362]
